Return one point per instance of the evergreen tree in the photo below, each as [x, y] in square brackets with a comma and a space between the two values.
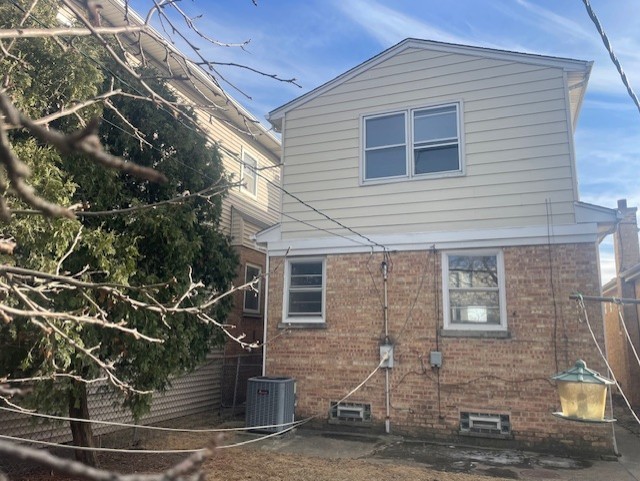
[141, 248]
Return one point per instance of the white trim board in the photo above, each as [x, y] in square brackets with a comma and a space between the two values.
[466, 239]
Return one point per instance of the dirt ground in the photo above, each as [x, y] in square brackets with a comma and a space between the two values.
[244, 463]
[248, 463]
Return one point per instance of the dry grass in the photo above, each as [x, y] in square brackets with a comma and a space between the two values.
[249, 463]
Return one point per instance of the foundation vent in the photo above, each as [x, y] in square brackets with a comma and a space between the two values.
[351, 413]
[485, 424]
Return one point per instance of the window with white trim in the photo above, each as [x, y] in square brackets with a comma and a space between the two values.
[304, 293]
[249, 174]
[426, 145]
[251, 301]
[474, 293]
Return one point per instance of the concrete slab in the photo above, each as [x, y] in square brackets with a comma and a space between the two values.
[510, 464]
[326, 445]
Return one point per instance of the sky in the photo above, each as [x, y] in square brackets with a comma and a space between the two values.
[314, 41]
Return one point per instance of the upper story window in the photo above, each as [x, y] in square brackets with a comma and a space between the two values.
[412, 143]
[474, 291]
[304, 298]
[251, 299]
[249, 174]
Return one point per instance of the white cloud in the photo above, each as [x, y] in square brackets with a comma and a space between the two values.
[389, 26]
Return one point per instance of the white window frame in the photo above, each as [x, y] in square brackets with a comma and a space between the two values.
[453, 326]
[257, 287]
[410, 173]
[286, 318]
[252, 171]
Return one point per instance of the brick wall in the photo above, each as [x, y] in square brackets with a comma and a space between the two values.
[616, 339]
[621, 356]
[478, 374]
[249, 324]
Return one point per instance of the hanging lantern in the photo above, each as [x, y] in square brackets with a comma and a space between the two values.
[583, 394]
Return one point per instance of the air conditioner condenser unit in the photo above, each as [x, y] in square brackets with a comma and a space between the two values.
[270, 403]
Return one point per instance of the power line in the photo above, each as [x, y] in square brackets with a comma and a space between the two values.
[182, 451]
[137, 426]
[104, 450]
[609, 48]
[602, 355]
[309, 206]
[232, 154]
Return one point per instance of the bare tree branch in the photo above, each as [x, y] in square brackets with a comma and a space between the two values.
[15, 33]
[84, 141]
[183, 471]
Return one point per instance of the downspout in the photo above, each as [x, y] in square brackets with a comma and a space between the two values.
[265, 317]
[385, 278]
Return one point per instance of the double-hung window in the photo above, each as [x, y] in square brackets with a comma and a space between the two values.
[474, 291]
[412, 143]
[251, 301]
[385, 151]
[249, 174]
[304, 294]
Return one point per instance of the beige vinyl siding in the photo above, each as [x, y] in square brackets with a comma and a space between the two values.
[516, 136]
[196, 392]
[248, 233]
[265, 206]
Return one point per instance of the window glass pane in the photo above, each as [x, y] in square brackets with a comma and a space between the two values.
[473, 271]
[306, 274]
[436, 159]
[386, 130]
[388, 162]
[252, 296]
[251, 300]
[435, 124]
[475, 306]
[305, 303]
[249, 174]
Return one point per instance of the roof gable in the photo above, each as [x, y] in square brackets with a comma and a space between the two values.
[577, 78]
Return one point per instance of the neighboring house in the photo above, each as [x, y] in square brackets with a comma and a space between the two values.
[250, 153]
[626, 285]
[454, 167]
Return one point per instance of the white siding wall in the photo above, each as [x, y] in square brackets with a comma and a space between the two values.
[516, 132]
[197, 392]
[265, 206]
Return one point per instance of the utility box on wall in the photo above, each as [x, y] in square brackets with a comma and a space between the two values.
[270, 403]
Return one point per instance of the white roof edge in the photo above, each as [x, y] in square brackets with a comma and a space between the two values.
[441, 240]
[589, 213]
[270, 234]
[136, 17]
[565, 63]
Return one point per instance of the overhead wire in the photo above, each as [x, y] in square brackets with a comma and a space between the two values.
[290, 425]
[626, 332]
[137, 426]
[612, 55]
[604, 358]
[232, 154]
[235, 157]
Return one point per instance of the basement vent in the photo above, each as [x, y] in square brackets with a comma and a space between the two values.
[352, 413]
[485, 424]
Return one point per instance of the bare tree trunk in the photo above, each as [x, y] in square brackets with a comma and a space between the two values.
[82, 432]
